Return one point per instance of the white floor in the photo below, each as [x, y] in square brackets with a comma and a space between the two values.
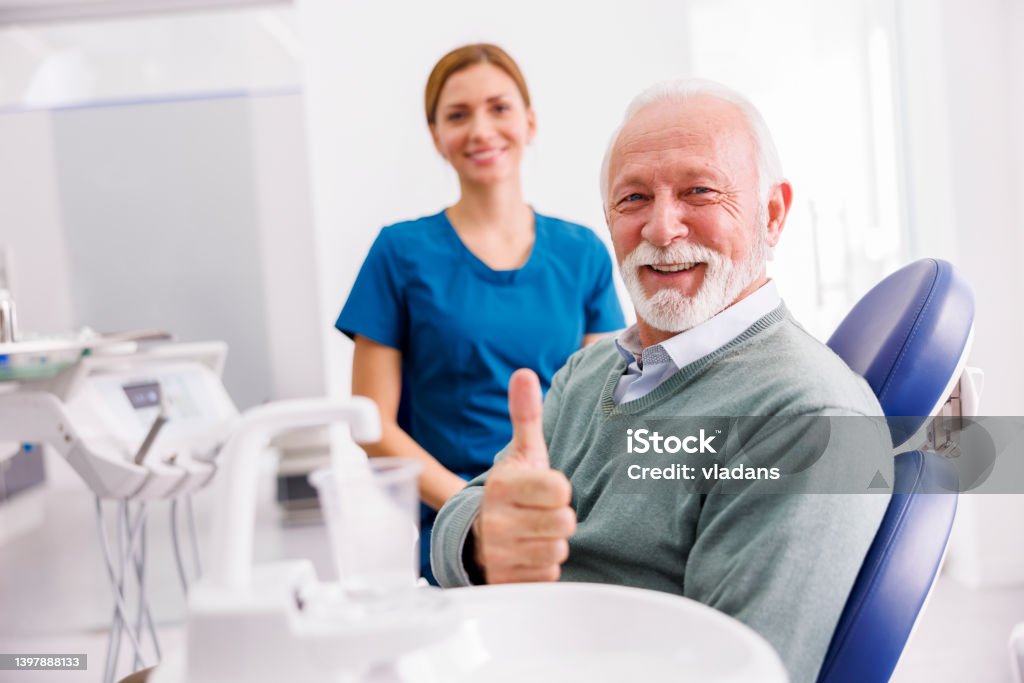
[54, 598]
[963, 636]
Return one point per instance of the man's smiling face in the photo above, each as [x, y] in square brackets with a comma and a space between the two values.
[689, 228]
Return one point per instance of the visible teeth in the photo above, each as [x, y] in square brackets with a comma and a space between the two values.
[485, 155]
[673, 268]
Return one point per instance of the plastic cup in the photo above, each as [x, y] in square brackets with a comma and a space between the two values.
[372, 515]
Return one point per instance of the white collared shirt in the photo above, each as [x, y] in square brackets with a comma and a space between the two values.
[648, 368]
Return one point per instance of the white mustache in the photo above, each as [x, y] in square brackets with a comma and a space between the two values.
[646, 254]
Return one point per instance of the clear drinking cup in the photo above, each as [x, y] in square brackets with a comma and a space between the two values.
[372, 516]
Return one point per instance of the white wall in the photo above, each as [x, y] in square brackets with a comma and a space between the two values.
[965, 79]
[371, 157]
[988, 184]
[290, 297]
[1015, 38]
[964, 106]
[30, 223]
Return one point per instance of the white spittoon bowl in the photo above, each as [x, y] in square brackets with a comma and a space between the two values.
[571, 633]
[586, 633]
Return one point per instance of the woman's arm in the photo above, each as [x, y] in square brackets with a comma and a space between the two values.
[377, 374]
[589, 339]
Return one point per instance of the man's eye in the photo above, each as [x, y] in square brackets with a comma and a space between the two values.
[631, 201]
[701, 190]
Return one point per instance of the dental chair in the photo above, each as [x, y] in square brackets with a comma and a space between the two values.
[909, 337]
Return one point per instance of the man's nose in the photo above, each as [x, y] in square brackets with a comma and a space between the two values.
[666, 223]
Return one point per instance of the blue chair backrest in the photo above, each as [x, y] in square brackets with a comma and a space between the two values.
[908, 337]
[897, 574]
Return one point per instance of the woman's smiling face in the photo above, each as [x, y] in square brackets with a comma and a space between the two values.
[482, 124]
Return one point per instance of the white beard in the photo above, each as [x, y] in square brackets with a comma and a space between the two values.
[669, 310]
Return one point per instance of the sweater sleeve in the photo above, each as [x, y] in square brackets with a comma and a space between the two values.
[784, 563]
[455, 519]
[448, 539]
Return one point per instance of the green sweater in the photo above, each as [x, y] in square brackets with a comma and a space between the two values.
[782, 563]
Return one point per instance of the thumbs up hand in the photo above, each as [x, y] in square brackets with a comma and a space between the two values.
[525, 520]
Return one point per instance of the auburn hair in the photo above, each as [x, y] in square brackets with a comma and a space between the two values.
[462, 58]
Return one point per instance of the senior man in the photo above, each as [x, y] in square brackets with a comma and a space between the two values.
[694, 199]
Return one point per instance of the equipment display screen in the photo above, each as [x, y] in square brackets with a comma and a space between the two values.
[143, 395]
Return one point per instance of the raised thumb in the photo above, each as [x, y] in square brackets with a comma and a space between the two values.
[526, 411]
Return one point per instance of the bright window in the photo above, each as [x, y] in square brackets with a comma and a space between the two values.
[821, 73]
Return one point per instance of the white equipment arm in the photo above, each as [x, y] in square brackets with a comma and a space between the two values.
[239, 469]
[36, 417]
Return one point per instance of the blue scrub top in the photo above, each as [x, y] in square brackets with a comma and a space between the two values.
[464, 328]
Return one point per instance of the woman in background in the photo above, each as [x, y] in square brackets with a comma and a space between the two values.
[447, 306]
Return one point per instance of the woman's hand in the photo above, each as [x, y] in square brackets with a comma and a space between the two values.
[377, 374]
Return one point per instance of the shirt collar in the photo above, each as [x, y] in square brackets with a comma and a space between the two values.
[628, 344]
[699, 341]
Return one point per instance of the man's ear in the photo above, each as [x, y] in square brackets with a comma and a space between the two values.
[779, 200]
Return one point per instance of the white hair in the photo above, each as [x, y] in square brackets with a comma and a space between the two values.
[769, 168]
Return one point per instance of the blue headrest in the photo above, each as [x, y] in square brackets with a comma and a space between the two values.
[907, 337]
[897, 573]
